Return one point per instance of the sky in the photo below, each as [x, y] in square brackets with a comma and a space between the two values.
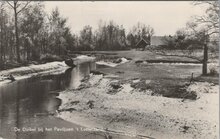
[164, 16]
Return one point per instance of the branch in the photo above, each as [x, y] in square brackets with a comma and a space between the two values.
[214, 32]
[1, 6]
[18, 5]
[193, 29]
[204, 2]
[24, 7]
[205, 20]
[10, 4]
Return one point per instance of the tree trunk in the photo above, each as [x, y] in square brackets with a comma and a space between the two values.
[16, 36]
[205, 60]
[1, 42]
[6, 43]
[27, 44]
[11, 52]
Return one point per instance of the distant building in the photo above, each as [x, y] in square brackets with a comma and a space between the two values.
[154, 41]
[142, 44]
[157, 41]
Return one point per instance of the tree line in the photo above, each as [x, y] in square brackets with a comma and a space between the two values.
[28, 32]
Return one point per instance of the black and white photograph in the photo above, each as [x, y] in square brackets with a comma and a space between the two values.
[109, 69]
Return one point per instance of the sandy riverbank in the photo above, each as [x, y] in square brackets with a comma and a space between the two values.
[38, 70]
[100, 104]
[32, 70]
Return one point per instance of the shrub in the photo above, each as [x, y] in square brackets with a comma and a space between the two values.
[50, 58]
[213, 70]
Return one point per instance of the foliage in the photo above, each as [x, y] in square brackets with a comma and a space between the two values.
[182, 41]
[139, 31]
[110, 36]
[57, 31]
[27, 33]
[86, 38]
[31, 31]
[213, 70]
[50, 58]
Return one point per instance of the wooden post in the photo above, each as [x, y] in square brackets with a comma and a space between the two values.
[191, 78]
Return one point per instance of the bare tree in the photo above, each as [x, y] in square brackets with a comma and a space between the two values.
[200, 32]
[17, 7]
[206, 27]
[211, 18]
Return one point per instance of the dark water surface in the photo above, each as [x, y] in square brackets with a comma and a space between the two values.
[28, 105]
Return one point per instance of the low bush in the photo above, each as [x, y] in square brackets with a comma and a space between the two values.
[50, 58]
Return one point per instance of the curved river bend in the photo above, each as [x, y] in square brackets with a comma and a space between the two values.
[27, 107]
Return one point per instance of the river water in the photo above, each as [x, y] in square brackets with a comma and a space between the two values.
[27, 107]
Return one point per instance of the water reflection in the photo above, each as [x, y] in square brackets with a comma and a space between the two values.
[73, 76]
[22, 101]
[31, 103]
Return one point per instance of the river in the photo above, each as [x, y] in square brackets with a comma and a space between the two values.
[28, 107]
